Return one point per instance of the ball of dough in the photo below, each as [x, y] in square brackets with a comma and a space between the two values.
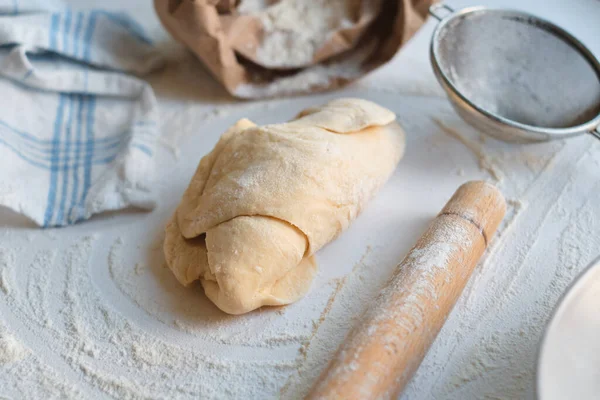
[267, 198]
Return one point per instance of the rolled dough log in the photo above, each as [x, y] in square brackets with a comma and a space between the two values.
[265, 199]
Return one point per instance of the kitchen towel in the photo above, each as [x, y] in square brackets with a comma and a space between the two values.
[77, 130]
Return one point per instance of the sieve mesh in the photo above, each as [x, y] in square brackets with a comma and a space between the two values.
[519, 68]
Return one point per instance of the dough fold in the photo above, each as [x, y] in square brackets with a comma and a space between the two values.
[265, 199]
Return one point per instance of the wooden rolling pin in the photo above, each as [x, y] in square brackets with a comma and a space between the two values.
[380, 355]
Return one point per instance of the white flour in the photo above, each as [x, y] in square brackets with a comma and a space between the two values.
[478, 150]
[311, 78]
[294, 30]
[11, 350]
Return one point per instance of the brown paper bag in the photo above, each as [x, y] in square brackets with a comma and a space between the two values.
[230, 44]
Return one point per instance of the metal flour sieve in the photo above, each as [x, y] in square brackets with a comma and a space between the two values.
[515, 76]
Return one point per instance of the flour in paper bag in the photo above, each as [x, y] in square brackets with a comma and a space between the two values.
[295, 29]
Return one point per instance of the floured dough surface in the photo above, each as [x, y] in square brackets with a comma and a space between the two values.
[266, 198]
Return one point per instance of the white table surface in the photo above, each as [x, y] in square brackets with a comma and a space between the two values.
[487, 348]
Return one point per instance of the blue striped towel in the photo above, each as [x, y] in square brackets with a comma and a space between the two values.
[77, 133]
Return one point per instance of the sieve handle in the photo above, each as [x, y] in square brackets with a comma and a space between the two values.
[435, 9]
[596, 132]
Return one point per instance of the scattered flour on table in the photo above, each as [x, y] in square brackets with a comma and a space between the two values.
[514, 209]
[486, 163]
[92, 348]
[11, 349]
[6, 262]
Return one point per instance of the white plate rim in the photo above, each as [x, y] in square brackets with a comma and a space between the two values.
[569, 292]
